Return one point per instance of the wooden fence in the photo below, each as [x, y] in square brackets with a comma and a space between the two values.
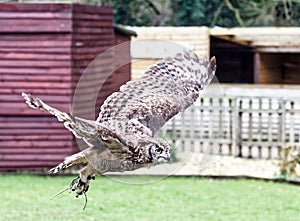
[251, 127]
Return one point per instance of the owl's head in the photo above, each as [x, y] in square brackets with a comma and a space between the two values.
[153, 150]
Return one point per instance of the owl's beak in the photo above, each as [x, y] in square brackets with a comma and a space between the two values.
[164, 158]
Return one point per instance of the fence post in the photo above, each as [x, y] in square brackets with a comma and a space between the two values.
[250, 127]
[229, 126]
[292, 123]
[270, 127]
[281, 122]
[236, 127]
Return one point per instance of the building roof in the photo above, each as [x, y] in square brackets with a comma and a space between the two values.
[123, 30]
[262, 39]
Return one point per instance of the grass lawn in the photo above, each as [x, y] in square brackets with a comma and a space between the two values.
[27, 198]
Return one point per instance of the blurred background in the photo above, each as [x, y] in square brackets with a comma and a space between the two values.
[246, 124]
[251, 111]
[223, 13]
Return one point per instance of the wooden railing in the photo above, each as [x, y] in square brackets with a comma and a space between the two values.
[252, 127]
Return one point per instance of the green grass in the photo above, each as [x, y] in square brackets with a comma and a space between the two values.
[27, 198]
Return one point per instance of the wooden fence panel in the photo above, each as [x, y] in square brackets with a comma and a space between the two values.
[250, 127]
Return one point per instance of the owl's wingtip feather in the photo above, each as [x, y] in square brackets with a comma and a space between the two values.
[25, 95]
[213, 63]
[34, 103]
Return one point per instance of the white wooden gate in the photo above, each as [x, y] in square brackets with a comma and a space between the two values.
[252, 127]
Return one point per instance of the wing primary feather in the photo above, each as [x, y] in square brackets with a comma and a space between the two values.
[165, 89]
[84, 129]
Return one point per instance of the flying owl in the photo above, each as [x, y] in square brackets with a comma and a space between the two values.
[123, 136]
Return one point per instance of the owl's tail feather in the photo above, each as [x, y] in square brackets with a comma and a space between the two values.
[81, 128]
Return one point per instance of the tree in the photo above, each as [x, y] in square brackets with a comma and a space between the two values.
[139, 12]
[231, 13]
[205, 12]
[224, 13]
[269, 13]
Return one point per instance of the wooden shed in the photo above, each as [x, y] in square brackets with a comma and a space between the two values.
[264, 55]
[44, 50]
[154, 43]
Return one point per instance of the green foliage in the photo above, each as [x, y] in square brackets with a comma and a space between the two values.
[269, 13]
[290, 159]
[201, 12]
[137, 12]
[27, 198]
[187, 12]
[219, 16]
[224, 13]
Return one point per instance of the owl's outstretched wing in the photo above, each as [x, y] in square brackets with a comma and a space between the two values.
[84, 129]
[142, 107]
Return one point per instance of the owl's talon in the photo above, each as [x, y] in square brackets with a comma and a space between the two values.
[79, 186]
[73, 182]
[91, 177]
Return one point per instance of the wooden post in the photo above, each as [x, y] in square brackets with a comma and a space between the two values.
[292, 124]
[256, 66]
[211, 122]
[251, 127]
[281, 124]
[270, 127]
[220, 116]
[192, 128]
[236, 127]
[202, 124]
[231, 132]
[182, 132]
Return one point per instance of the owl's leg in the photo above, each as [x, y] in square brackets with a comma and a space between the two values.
[70, 161]
[81, 183]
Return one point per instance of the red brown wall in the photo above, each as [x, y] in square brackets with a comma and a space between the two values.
[44, 50]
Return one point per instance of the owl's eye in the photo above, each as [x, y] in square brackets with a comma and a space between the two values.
[158, 150]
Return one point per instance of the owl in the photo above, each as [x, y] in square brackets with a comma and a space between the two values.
[122, 138]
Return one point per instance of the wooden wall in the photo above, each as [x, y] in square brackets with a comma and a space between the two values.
[279, 68]
[93, 33]
[44, 50]
[235, 61]
[290, 68]
[195, 38]
[124, 40]
[35, 57]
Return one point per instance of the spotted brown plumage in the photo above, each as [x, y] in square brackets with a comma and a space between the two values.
[123, 136]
